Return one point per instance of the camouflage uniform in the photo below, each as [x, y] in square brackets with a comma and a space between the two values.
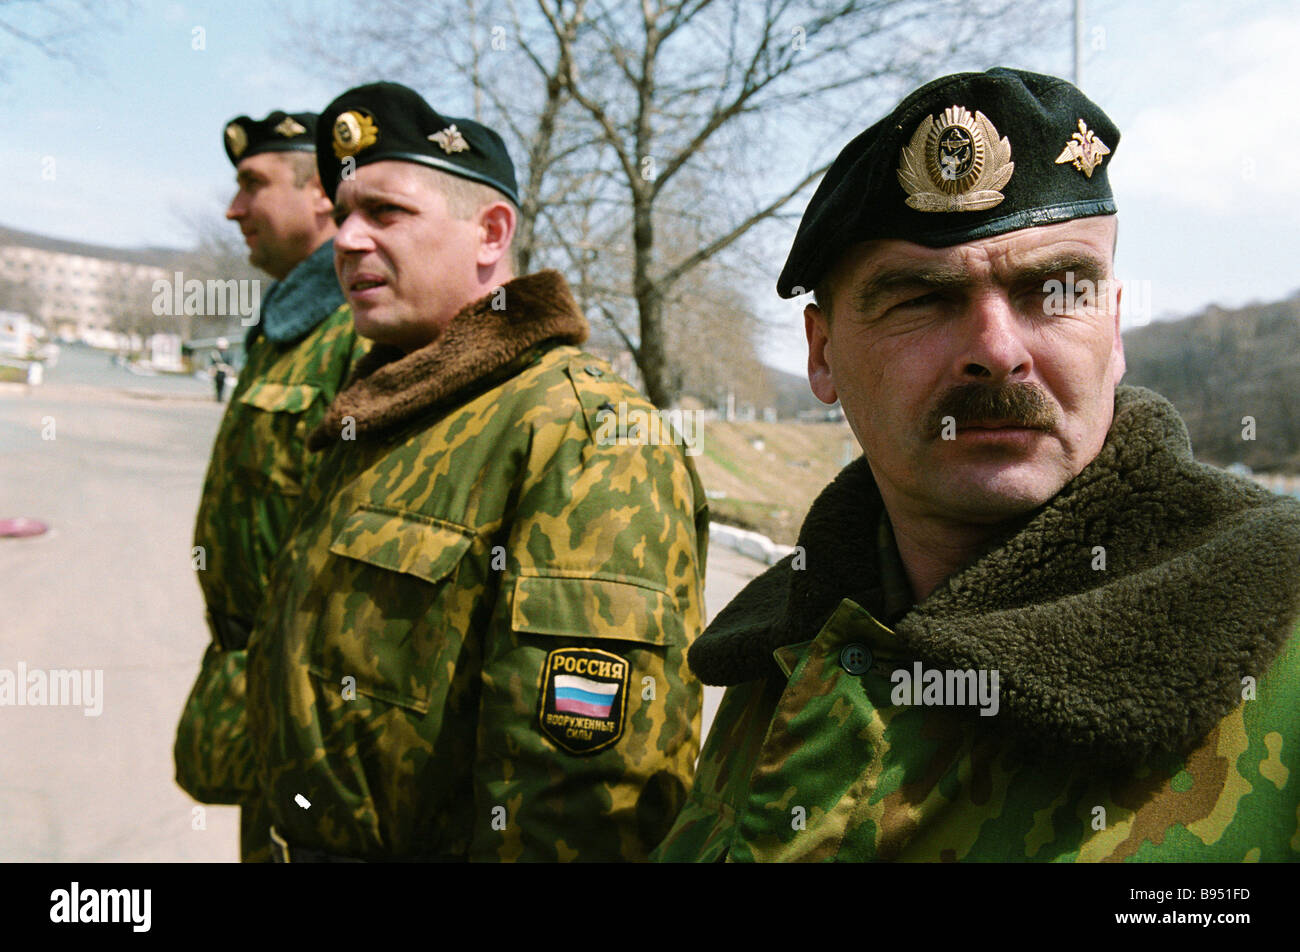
[1122, 733]
[475, 549]
[258, 470]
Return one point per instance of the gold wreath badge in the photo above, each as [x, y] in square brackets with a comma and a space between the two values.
[352, 133]
[955, 164]
[236, 138]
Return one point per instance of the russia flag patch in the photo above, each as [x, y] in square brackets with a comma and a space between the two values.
[583, 698]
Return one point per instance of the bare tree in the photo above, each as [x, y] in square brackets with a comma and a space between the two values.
[218, 254]
[128, 296]
[19, 295]
[56, 29]
[695, 120]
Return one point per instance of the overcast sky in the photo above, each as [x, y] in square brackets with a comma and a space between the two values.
[1207, 177]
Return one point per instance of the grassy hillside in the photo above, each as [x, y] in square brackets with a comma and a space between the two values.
[769, 473]
[1222, 366]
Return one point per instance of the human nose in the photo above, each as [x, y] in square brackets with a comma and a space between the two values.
[237, 207]
[352, 235]
[993, 350]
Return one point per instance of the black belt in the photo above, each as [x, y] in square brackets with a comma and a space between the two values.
[230, 633]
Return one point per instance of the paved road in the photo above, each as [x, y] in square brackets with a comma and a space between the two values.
[110, 587]
[80, 365]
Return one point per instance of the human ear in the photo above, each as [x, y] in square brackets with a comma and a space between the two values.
[496, 226]
[820, 375]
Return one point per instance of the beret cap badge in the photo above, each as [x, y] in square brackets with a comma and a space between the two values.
[389, 122]
[290, 127]
[1084, 150]
[352, 133]
[236, 138]
[955, 164]
[450, 139]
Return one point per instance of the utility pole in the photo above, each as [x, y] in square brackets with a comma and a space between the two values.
[1078, 43]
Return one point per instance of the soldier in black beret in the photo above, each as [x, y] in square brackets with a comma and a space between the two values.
[475, 640]
[297, 354]
[1019, 626]
[280, 208]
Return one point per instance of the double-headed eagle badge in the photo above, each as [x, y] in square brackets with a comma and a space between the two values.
[290, 127]
[1084, 149]
[450, 139]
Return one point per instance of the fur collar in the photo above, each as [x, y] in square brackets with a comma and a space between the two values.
[389, 388]
[1200, 589]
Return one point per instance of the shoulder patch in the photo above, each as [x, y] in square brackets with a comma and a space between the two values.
[583, 698]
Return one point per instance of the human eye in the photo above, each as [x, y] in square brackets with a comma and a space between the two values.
[921, 301]
[1060, 295]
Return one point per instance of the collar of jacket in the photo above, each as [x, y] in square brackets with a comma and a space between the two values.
[1200, 587]
[307, 295]
[389, 388]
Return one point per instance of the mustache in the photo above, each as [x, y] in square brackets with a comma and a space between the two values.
[1022, 404]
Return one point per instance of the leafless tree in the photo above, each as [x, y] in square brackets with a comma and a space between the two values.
[217, 253]
[658, 133]
[19, 295]
[56, 29]
[128, 295]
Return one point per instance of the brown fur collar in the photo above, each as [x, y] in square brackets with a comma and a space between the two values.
[387, 388]
[1200, 588]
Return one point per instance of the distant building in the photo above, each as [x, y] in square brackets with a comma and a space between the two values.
[17, 335]
[73, 286]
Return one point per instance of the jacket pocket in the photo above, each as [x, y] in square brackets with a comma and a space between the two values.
[213, 752]
[273, 448]
[393, 618]
[583, 607]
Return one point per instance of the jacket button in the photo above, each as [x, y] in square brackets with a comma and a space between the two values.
[855, 658]
[594, 371]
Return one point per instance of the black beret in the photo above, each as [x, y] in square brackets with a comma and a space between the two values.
[387, 121]
[965, 157]
[278, 132]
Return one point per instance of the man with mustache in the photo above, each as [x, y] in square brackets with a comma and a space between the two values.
[297, 356]
[1025, 625]
[475, 643]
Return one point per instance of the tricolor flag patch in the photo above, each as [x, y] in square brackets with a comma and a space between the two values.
[584, 698]
[575, 695]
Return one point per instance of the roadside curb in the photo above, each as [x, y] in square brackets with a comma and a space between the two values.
[57, 390]
[161, 395]
[748, 543]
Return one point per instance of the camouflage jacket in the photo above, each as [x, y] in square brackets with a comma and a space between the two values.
[475, 643]
[1145, 706]
[255, 479]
